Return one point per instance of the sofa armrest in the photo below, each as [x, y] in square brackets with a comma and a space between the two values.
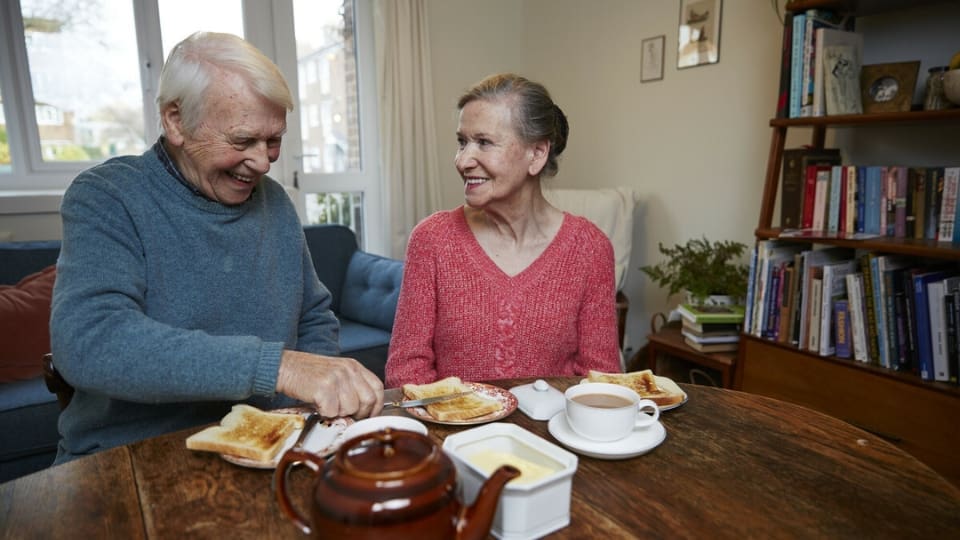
[371, 289]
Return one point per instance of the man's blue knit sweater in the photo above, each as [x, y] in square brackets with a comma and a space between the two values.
[169, 307]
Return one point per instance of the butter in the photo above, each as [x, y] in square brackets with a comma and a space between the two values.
[490, 460]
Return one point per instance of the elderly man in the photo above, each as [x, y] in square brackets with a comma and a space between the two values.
[184, 283]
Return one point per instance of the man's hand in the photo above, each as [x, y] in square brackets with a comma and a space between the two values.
[337, 386]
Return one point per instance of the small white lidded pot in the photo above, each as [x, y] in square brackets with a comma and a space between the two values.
[532, 505]
[607, 412]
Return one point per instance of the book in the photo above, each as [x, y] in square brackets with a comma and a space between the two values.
[770, 253]
[933, 203]
[711, 314]
[898, 181]
[711, 329]
[888, 193]
[791, 273]
[833, 289]
[858, 332]
[948, 207]
[951, 304]
[813, 260]
[816, 18]
[835, 198]
[921, 282]
[809, 159]
[841, 317]
[821, 197]
[936, 292]
[873, 186]
[869, 309]
[796, 62]
[837, 84]
[951, 177]
[786, 54]
[918, 181]
[849, 211]
[711, 347]
[710, 339]
[861, 199]
[816, 290]
[882, 300]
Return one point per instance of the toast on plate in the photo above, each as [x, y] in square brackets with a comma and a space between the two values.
[247, 432]
[456, 409]
[663, 392]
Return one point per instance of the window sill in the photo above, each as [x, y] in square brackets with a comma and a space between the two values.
[30, 202]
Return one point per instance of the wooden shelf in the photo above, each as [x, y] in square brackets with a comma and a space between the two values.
[887, 118]
[904, 246]
[858, 8]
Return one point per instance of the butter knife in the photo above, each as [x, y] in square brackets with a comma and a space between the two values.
[308, 424]
[425, 401]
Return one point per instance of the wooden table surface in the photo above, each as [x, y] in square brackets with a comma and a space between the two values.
[733, 465]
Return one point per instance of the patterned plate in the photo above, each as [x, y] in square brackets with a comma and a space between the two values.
[508, 404]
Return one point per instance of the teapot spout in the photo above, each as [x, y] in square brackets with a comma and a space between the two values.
[476, 520]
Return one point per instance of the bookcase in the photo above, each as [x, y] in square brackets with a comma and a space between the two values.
[918, 416]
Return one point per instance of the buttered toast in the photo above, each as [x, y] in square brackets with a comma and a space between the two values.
[456, 409]
[664, 393]
[247, 432]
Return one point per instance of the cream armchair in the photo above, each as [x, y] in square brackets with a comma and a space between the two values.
[610, 209]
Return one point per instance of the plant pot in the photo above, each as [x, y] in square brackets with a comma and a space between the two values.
[712, 300]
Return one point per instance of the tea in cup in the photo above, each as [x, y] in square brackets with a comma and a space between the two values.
[607, 412]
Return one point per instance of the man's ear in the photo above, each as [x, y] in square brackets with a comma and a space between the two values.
[172, 122]
[539, 152]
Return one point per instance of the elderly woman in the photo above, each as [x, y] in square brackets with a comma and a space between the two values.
[505, 285]
[184, 284]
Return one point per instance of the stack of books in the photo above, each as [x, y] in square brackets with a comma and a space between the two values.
[711, 329]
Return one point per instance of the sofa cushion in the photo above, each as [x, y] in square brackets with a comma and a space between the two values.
[331, 247]
[371, 289]
[28, 428]
[25, 325]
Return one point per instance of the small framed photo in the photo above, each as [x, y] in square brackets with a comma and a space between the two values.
[699, 36]
[888, 87]
[651, 61]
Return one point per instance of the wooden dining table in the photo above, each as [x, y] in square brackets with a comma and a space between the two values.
[733, 465]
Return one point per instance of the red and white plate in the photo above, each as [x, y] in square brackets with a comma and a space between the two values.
[508, 404]
[324, 439]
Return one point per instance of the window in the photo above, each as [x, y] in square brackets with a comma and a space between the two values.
[78, 81]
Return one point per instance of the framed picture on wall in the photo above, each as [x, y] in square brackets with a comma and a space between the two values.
[699, 36]
[651, 61]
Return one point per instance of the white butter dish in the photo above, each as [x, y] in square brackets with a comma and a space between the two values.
[538, 400]
[527, 509]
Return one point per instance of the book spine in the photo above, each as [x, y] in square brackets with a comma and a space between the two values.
[806, 96]
[833, 201]
[773, 302]
[850, 200]
[879, 306]
[910, 208]
[796, 62]
[890, 193]
[898, 330]
[841, 331]
[791, 189]
[950, 325]
[924, 345]
[872, 218]
[908, 361]
[935, 296]
[919, 184]
[809, 196]
[948, 207]
[951, 176]
[866, 268]
[816, 289]
[751, 290]
[857, 330]
[786, 54]
[821, 198]
[861, 198]
[898, 182]
[953, 358]
[933, 203]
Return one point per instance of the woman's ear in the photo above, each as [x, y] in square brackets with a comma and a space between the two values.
[538, 153]
[172, 124]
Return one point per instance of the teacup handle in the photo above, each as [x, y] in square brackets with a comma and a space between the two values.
[291, 458]
[644, 419]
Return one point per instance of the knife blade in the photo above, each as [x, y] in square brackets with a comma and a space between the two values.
[425, 401]
[308, 424]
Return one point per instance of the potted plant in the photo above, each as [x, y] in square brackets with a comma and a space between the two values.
[702, 269]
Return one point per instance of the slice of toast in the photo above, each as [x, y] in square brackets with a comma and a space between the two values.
[644, 383]
[456, 409]
[247, 432]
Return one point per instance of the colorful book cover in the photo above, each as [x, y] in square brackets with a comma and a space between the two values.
[951, 177]
[898, 183]
[705, 314]
[869, 309]
[859, 223]
[874, 200]
[833, 289]
[841, 315]
[796, 62]
[809, 160]
[837, 74]
[948, 207]
[933, 202]
[835, 199]
[918, 176]
[921, 282]
[849, 213]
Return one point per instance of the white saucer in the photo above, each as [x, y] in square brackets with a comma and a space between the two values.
[641, 441]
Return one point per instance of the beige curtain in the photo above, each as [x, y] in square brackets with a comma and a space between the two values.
[407, 128]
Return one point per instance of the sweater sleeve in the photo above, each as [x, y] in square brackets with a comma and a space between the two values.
[599, 343]
[411, 358]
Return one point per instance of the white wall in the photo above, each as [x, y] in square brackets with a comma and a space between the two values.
[694, 144]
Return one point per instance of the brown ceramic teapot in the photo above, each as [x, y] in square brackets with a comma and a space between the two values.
[389, 484]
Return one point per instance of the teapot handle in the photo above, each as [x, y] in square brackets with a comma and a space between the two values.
[291, 458]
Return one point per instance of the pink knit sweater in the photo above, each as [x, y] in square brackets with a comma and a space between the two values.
[459, 314]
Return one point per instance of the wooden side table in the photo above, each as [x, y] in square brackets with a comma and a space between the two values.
[666, 339]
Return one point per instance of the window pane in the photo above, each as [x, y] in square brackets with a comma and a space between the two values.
[180, 18]
[85, 76]
[5, 162]
[342, 208]
[327, 75]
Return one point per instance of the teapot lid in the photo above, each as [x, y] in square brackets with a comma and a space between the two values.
[388, 454]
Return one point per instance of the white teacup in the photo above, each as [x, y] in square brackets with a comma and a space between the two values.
[607, 412]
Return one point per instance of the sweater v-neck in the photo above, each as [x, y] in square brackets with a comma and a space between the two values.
[490, 268]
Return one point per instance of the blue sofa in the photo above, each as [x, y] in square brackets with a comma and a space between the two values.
[365, 288]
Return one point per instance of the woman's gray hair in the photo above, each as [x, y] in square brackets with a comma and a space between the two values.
[194, 62]
[537, 117]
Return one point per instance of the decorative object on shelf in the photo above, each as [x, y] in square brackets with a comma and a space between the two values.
[934, 98]
[702, 268]
[651, 61]
[699, 35]
[888, 87]
[951, 86]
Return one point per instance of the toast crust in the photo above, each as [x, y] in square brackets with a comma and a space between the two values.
[456, 409]
[247, 432]
[644, 383]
